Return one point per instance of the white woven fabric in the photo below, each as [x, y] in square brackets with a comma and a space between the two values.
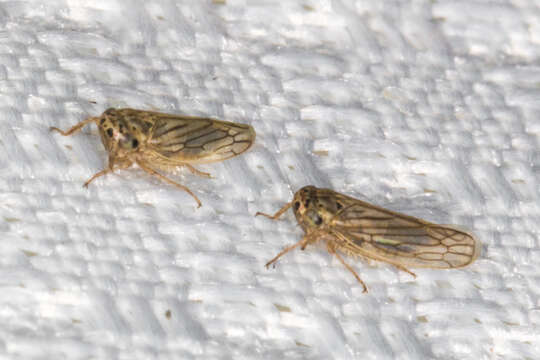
[427, 107]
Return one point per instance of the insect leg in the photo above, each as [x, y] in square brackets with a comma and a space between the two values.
[333, 251]
[197, 172]
[287, 249]
[403, 268]
[278, 214]
[166, 179]
[110, 168]
[76, 127]
[96, 175]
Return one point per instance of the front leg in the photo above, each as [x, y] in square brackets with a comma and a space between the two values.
[278, 214]
[301, 243]
[76, 128]
[307, 239]
[110, 168]
[96, 175]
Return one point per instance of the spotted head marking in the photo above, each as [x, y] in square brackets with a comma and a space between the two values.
[122, 131]
[314, 209]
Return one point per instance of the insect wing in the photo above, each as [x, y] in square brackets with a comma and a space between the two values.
[377, 233]
[198, 140]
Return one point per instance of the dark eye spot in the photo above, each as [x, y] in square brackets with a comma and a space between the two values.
[134, 143]
[306, 203]
[102, 121]
[110, 132]
[339, 206]
[296, 206]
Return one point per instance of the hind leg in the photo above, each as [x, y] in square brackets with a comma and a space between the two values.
[167, 180]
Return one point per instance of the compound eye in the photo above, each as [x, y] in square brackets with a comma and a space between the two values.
[296, 205]
[134, 143]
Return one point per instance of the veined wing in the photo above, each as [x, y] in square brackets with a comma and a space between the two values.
[364, 229]
[198, 140]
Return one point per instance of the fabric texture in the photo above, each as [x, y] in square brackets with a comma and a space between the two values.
[430, 108]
